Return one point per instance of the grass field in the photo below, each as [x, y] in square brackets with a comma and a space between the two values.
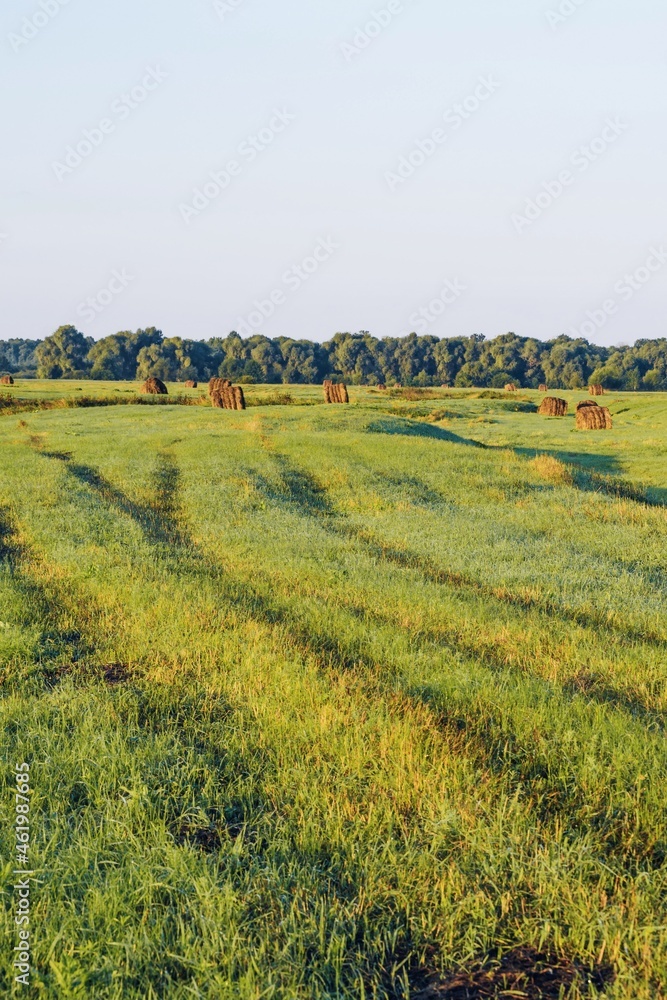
[337, 702]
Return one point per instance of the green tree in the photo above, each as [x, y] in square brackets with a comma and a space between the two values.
[64, 354]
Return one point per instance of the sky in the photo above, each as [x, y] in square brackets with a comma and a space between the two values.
[300, 169]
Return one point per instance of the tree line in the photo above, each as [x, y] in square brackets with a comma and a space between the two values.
[357, 358]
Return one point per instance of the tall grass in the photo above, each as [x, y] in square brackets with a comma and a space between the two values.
[324, 703]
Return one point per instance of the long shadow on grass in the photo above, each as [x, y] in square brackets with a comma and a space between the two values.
[591, 472]
[303, 492]
[586, 477]
[161, 524]
[38, 606]
[410, 428]
[488, 735]
[157, 518]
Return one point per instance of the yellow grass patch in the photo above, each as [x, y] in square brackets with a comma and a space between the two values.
[551, 469]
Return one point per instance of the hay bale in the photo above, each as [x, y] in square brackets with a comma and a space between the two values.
[552, 406]
[543, 388]
[382, 386]
[218, 384]
[227, 396]
[594, 418]
[6, 380]
[154, 387]
[335, 392]
[510, 387]
[596, 390]
[190, 384]
[584, 403]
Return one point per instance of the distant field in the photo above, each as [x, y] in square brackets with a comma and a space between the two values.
[327, 702]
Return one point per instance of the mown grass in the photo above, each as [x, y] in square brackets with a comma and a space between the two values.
[331, 702]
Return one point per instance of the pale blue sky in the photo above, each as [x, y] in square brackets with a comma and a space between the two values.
[324, 176]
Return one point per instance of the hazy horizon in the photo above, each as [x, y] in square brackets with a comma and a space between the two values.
[385, 167]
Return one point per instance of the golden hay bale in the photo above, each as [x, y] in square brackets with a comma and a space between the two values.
[584, 403]
[543, 388]
[510, 387]
[6, 380]
[382, 386]
[552, 406]
[594, 418]
[218, 384]
[190, 384]
[154, 387]
[227, 397]
[335, 393]
[596, 390]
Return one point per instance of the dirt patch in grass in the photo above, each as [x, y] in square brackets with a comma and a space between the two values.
[115, 674]
[204, 838]
[523, 974]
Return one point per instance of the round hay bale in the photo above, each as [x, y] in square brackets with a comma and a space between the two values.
[191, 384]
[543, 388]
[594, 418]
[382, 386]
[216, 400]
[154, 387]
[510, 387]
[6, 380]
[552, 406]
[584, 403]
[596, 390]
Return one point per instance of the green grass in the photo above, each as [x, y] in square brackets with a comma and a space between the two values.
[390, 695]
